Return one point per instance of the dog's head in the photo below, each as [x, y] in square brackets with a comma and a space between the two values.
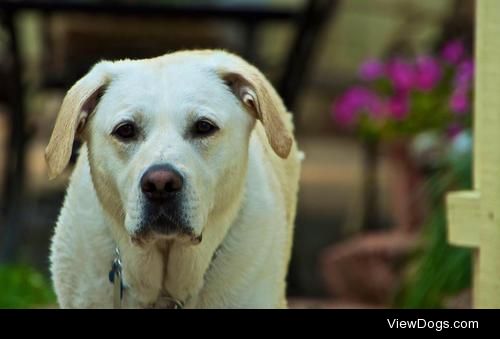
[168, 137]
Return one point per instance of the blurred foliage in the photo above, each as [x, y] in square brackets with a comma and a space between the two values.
[439, 270]
[401, 97]
[428, 110]
[21, 286]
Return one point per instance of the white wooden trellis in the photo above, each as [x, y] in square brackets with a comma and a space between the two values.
[474, 216]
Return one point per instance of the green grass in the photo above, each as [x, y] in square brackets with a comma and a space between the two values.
[22, 286]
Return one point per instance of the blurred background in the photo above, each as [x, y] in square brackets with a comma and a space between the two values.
[381, 92]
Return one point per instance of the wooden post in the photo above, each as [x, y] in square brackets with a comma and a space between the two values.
[474, 216]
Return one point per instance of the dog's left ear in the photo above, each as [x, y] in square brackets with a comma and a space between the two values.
[80, 101]
[257, 94]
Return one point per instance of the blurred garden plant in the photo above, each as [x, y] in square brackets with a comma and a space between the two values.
[425, 100]
[21, 286]
[401, 97]
[440, 271]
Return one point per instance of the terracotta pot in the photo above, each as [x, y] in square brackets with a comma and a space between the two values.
[367, 268]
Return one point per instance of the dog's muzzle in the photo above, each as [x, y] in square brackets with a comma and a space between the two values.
[161, 184]
[163, 210]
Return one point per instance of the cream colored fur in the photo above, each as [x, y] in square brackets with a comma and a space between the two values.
[241, 184]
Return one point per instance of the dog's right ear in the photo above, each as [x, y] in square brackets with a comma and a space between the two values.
[80, 101]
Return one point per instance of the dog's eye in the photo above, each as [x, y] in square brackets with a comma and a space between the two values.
[125, 131]
[204, 127]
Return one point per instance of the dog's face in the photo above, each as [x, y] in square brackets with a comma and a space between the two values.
[167, 137]
[168, 141]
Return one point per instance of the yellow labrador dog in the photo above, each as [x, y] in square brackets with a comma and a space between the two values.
[185, 188]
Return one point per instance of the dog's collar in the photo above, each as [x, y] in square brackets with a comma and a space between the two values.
[116, 278]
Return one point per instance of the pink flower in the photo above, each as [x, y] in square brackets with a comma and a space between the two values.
[399, 105]
[371, 70]
[402, 74]
[376, 106]
[453, 130]
[459, 102]
[453, 51]
[344, 113]
[428, 73]
[354, 101]
[465, 74]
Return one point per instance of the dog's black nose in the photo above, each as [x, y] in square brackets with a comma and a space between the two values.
[159, 182]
